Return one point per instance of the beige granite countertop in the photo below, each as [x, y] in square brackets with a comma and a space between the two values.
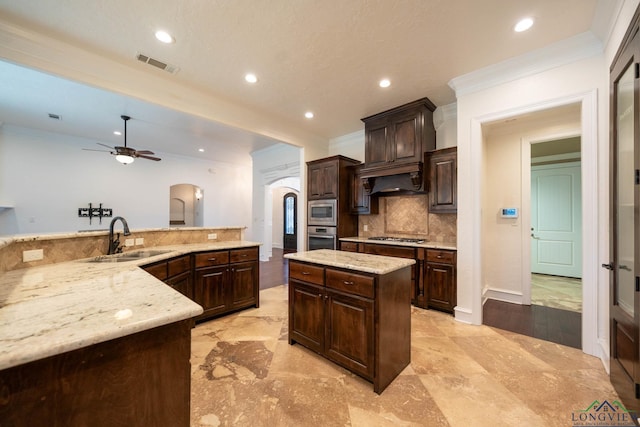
[57, 308]
[425, 244]
[375, 264]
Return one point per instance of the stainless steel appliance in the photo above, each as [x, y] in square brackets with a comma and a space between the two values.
[321, 237]
[323, 212]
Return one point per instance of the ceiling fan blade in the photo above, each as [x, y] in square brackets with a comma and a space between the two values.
[102, 151]
[157, 159]
[144, 152]
[105, 145]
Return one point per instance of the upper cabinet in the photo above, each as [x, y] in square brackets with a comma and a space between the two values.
[328, 178]
[442, 180]
[361, 202]
[396, 140]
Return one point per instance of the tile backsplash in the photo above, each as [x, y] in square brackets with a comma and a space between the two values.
[408, 216]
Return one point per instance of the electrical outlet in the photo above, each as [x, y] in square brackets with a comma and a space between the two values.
[140, 241]
[33, 255]
[212, 236]
[129, 242]
[365, 227]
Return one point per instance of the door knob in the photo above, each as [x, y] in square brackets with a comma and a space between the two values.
[608, 266]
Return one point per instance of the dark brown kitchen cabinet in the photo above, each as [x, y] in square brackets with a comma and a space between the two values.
[323, 180]
[175, 272]
[226, 280]
[440, 279]
[350, 247]
[442, 178]
[417, 285]
[340, 315]
[399, 137]
[361, 203]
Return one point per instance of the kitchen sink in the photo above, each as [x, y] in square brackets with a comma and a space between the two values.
[128, 256]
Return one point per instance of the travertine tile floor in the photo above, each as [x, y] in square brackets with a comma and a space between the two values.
[564, 293]
[244, 373]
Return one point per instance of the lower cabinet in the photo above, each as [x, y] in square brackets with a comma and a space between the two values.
[226, 281]
[220, 281]
[440, 278]
[339, 314]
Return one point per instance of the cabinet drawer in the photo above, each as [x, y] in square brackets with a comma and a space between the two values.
[207, 259]
[179, 265]
[446, 257]
[351, 283]
[306, 273]
[349, 246]
[241, 255]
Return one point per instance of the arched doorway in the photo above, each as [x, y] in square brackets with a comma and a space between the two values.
[290, 222]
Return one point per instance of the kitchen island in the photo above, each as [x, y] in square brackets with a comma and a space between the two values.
[354, 309]
[95, 342]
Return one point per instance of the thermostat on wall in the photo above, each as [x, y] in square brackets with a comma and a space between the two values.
[509, 212]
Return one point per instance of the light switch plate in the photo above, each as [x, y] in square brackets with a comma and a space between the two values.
[33, 255]
[129, 242]
[212, 236]
[140, 241]
[366, 227]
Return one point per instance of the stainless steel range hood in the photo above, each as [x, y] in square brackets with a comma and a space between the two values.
[394, 179]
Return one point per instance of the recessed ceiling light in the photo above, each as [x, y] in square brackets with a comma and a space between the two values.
[523, 25]
[384, 83]
[164, 37]
[117, 132]
[251, 78]
[201, 150]
[308, 115]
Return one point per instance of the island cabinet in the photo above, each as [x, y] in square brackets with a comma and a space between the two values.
[359, 320]
[226, 280]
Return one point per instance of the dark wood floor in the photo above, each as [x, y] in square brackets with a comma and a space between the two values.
[274, 272]
[549, 324]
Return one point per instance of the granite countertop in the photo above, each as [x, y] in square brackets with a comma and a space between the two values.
[425, 244]
[57, 308]
[375, 264]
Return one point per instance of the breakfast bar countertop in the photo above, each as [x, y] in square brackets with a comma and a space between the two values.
[56, 308]
[375, 264]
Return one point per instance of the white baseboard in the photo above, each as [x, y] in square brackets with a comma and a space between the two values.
[502, 295]
[463, 315]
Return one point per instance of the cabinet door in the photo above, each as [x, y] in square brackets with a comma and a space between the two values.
[182, 283]
[306, 315]
[323, 180]
[361, 203]
[441, 286]
[442, 174]
[243, 284]
[349, 333]
[210, 290]
[406, 143]
[376, 143]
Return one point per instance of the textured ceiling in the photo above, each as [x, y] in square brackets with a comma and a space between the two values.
[325, 56]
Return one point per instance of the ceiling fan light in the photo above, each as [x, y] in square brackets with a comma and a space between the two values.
[124, 159]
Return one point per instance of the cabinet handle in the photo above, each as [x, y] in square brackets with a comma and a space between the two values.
[439, 257]
[348, 283]
[305, 273]
[211, 259]
[243, 255]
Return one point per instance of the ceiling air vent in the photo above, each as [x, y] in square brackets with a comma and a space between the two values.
[55, 116]
[158, 64]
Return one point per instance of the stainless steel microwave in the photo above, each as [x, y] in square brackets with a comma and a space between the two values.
[323, 212]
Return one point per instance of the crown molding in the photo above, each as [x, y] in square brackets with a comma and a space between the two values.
[573, 49]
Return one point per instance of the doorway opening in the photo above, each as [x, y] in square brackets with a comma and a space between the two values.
[290, 222]
[532, 164]
[186, 203]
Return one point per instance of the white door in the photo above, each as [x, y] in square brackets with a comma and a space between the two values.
[556, 220]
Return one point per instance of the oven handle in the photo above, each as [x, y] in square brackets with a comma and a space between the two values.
[321, 236]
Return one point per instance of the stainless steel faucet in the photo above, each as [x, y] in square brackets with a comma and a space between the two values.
[114, 244]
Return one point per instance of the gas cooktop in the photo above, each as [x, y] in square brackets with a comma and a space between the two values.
[396, 239]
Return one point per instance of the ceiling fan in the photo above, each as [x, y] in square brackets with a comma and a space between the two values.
[124, 154]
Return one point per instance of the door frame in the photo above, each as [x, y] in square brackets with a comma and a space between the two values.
[525, 203]
[591, 214]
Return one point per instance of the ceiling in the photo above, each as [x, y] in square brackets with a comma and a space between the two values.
[324, 56]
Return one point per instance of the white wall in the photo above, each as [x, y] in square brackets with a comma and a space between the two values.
[47, 177]
[350, 145]
[507, 184]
